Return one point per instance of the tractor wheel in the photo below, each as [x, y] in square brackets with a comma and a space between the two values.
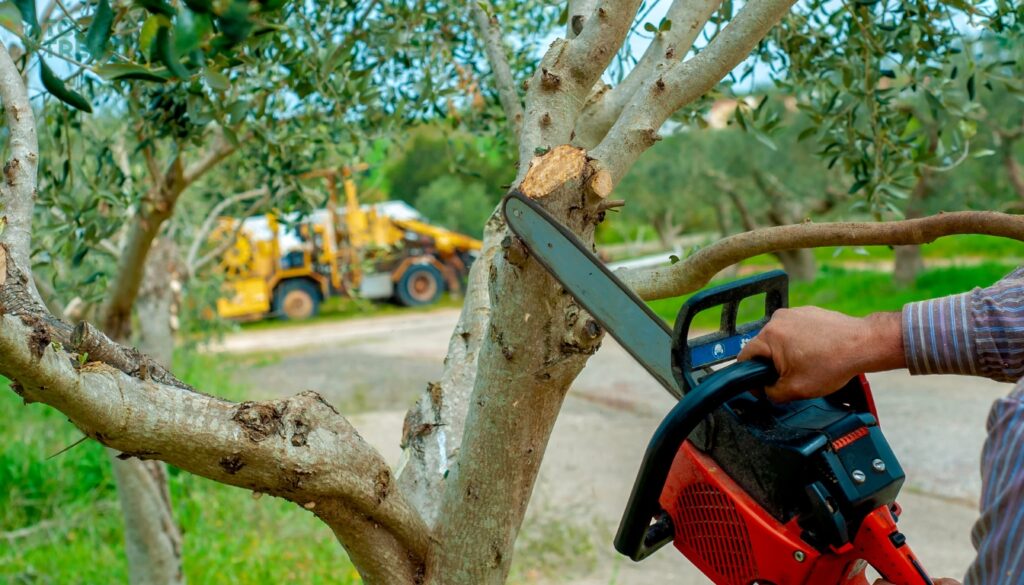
[295, 300]
[422, 284]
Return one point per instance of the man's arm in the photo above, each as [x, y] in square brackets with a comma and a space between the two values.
[978, 333]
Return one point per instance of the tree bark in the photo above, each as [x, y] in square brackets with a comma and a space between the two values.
[907, 260]
[1013, 170]
[152, 538]
[799, 264]
[536, 343]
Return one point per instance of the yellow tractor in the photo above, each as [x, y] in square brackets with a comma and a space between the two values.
[288, 266]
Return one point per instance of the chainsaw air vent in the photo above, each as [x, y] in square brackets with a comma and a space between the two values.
[707, 522]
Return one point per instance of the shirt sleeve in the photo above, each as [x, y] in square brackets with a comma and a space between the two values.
[998, 535]
[979, 333]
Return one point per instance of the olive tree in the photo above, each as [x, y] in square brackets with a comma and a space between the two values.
[475, 440]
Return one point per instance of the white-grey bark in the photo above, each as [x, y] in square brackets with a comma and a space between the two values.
[18, 187]
[688, 18]
[494, 46]
[433, 428]
[151, 536]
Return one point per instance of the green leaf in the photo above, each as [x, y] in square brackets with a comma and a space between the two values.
[983, 152]
[200, 6]
[28, 12]
[99, 31]
[59, 90]
[231, 137]
[10, 18]
[163, 50]
[131, 72]
[857, 186]
[217, 81]
[650, 27]
[673, 259]
[157, 7]
[970, 88]
[666, 25]
[806, 133]
[148, 33]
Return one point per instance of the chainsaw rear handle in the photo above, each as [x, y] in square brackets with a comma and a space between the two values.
[637, 537]
[692, 355]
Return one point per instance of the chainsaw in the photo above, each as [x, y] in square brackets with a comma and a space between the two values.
[802, 493]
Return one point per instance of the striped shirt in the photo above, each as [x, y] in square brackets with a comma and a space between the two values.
[981, 333]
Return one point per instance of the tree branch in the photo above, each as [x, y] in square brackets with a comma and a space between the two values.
[298, 448]
[688, 19]
[220, 151]
[696, 271]
[18, 187]
[494, 46]
[566, 76]
[663, 93]
[192, 260]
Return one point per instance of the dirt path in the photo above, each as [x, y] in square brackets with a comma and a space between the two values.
[377, 367]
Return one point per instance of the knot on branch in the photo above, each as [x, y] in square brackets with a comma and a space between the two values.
[549, 81]
[260, 420]
[97, 347]
[583, 334]
[515, 251]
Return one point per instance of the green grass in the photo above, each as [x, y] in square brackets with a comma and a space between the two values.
[856, 292]
[228, 536]
[959, 248]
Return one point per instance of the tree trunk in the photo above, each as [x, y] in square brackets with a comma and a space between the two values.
[800, 264]
[907, 260]
[537, 341]
[1013, 171]
[152, 539]
[908, 263]
[666, 229]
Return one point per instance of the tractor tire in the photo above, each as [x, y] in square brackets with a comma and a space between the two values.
[422, 284]
[296, 300]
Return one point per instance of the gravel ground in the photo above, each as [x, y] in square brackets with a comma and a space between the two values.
[377, 367]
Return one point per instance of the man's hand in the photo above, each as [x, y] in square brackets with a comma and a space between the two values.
[935, 581]
[817, 351]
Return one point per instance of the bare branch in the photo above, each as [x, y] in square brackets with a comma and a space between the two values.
[665, 91]
[192, 260]
[298, 448]
[494, 46]
[688, 18]
[696, 271]
[222, 149]
[18, 188]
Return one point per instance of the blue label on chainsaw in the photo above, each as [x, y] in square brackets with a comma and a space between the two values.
[715, 352]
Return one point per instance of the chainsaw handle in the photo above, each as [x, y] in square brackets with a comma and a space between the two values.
[885, 548]
[636, 537]
[725, 344]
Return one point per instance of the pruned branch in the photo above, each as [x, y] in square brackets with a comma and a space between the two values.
[662, 94]
[696, 271]
[566, 76]
[688, 18]
[494, 46]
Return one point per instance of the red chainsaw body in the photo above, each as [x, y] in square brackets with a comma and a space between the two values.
[734, 541]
